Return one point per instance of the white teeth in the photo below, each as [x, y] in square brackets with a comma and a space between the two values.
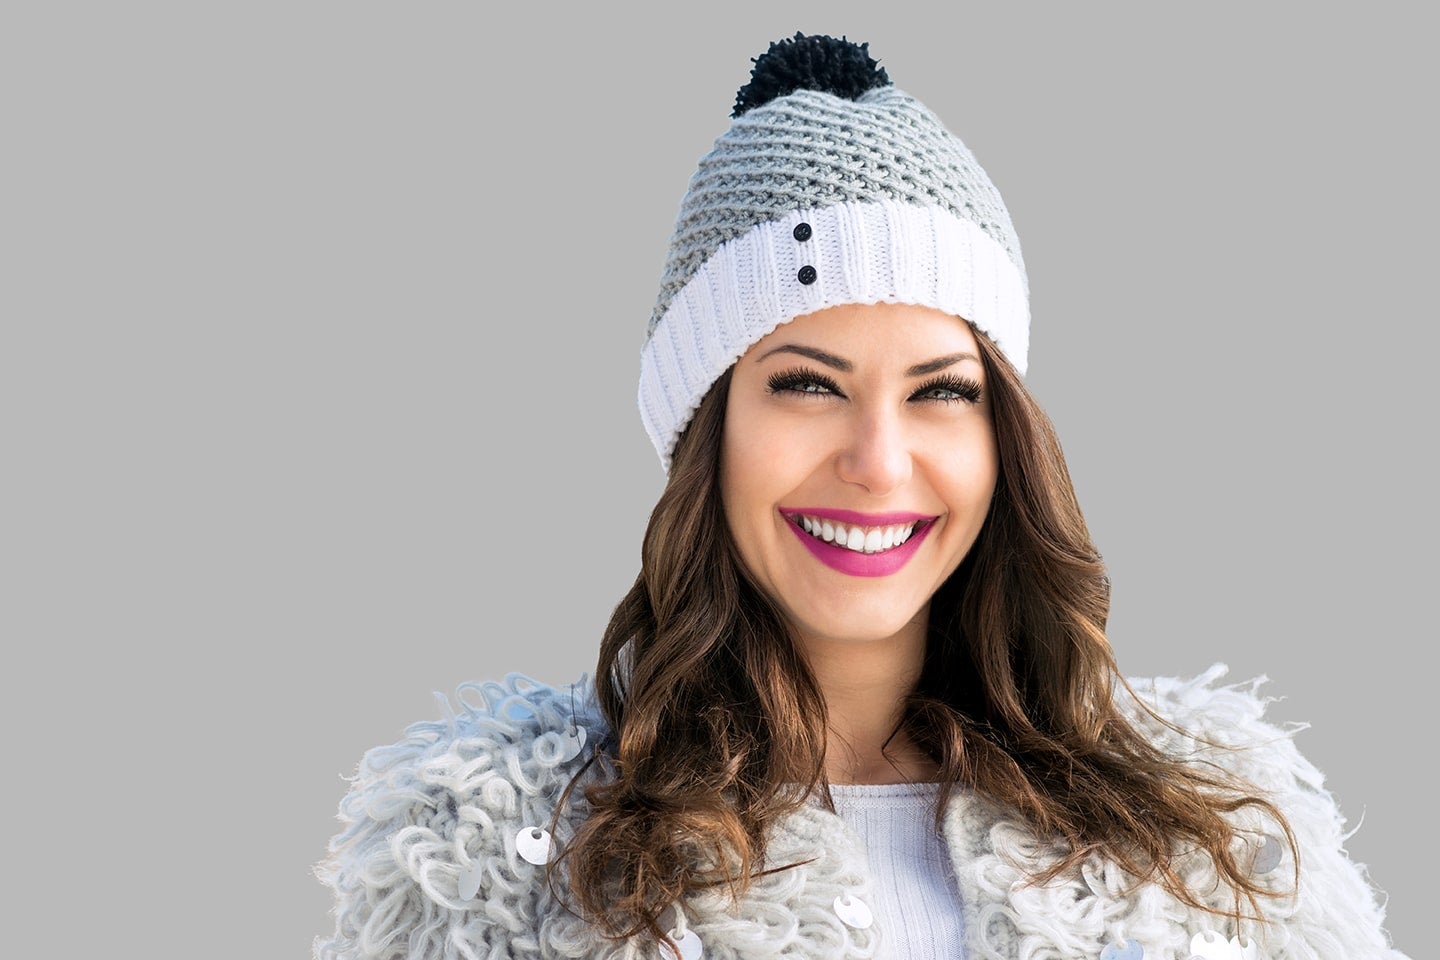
[859, 539]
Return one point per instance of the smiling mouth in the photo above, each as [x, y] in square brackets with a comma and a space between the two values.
[856, 538]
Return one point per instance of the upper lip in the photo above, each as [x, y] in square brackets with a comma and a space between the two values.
[856, 517]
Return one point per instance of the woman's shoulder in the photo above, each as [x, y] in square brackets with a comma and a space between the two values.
[1225, 725]
[456, 817]
[519, 731]
[1203, 721]
[1229, 714]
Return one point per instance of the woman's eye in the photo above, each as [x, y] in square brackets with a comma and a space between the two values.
[951, 390]
[809, 386]
[802, 381]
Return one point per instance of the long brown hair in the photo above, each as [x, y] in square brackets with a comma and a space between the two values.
[714, 710]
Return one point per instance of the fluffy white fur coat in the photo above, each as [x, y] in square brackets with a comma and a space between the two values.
[437, 814]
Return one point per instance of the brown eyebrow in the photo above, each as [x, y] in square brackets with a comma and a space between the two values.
[845, 366]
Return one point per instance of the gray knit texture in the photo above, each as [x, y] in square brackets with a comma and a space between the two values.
[811, 149]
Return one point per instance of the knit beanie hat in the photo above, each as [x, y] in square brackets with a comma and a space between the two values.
[830, 186]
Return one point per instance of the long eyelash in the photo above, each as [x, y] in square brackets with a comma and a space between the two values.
[788, 379]
[969, 391]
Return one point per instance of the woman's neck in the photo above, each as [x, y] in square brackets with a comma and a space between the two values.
[865, 685]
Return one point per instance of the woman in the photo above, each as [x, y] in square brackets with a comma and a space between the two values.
[859, 702]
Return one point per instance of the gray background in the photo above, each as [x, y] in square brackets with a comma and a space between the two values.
[321, 337]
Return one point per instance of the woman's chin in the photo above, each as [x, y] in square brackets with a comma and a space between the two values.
[871, 627]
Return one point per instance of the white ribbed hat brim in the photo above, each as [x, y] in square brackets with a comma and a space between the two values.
[885, 251]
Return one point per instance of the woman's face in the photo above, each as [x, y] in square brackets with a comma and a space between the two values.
[858, 416]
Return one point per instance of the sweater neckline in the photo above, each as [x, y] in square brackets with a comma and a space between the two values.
[884, 791]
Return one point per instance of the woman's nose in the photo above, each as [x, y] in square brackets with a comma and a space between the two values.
[876, 453]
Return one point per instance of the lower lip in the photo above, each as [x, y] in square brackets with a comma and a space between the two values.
[861, 564]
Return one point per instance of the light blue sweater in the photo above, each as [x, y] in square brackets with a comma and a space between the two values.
[917, 895]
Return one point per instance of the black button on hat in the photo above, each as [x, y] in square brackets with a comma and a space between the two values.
[802, 232]
[806, 274]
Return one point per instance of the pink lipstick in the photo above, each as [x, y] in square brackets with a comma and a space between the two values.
[852, 562]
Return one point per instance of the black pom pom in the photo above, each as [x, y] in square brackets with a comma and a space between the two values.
[810, 63]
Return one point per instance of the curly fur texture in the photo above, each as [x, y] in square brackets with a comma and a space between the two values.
[451, 796]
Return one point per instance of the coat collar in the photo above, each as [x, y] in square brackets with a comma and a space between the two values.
[993, 852]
